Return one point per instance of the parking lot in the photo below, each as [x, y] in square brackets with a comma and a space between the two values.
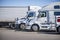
[9, 34]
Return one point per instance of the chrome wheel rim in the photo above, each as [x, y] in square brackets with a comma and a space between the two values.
[22, 26]
[35, 28]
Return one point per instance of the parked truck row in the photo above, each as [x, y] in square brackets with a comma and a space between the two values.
[39, 19]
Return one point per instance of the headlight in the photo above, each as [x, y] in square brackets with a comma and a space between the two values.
[36, 22]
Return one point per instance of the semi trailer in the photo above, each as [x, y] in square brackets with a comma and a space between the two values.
[9, 13]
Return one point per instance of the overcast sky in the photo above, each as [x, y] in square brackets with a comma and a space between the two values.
[26, 2]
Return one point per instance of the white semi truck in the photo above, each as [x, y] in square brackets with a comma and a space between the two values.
[40, 20]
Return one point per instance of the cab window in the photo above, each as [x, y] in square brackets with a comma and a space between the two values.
[43, 14]
[31, 14]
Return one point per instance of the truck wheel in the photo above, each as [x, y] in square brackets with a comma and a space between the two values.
[58, 29]
[22, 26]
[35, 28]
[12, 26]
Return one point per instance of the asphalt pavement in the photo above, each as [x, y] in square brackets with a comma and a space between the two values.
[9, 34]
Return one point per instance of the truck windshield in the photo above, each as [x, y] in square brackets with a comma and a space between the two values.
[31, 14]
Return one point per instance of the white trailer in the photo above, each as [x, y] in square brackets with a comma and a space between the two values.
[9, 13]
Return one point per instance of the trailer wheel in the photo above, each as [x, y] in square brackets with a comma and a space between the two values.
[35, 28]
[12, 26]
[22, 26]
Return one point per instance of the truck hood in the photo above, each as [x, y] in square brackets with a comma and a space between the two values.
[22, 20]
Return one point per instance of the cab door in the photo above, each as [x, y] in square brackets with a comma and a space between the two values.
[42, 17]
[31, 15]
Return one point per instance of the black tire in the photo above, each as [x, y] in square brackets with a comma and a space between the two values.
[12, 26]
[58, 29]
[22, 26]
[35, 28]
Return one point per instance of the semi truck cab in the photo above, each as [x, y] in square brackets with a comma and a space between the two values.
[34, 20]
[57, 17]
[28, 20]
[40, 20]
